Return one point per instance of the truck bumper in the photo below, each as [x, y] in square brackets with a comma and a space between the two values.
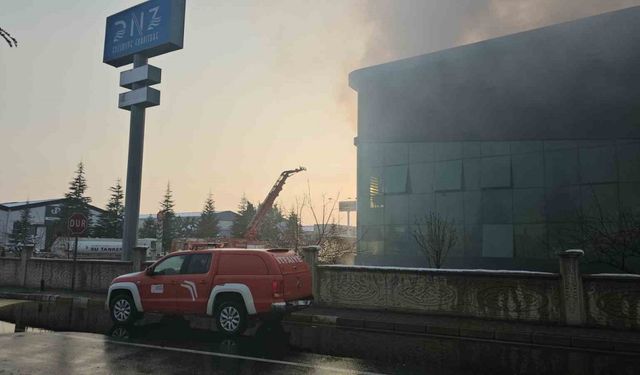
[288, 306]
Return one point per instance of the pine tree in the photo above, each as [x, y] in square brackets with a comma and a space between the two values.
[21, 233]
[247, 211]
[293, 231]
[272, 227]
[168, 219]
[76, 201]
[186, 227]
[208, 224]
[149, 228]
[110, 223]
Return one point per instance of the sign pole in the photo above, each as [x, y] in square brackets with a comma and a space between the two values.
[77, 225]
[134, 170]
[75, 260]
[133, 35]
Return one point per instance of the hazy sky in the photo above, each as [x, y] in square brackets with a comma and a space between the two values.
[260, 86]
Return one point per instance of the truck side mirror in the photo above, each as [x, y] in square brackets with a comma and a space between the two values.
[148, 271]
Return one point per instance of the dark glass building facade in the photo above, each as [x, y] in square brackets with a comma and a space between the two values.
[513, 140]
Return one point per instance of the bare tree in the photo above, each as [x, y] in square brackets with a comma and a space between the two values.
[435, 236]
[334, 241]
[8, 38]
[608, 237]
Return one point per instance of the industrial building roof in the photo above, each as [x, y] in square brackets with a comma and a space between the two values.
[11, 206]
[575, 80]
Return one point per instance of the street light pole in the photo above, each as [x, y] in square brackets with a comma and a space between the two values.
[134, 171]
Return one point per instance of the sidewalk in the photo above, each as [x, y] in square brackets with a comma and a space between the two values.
[67, 296]
[470, 328]
[412, 324]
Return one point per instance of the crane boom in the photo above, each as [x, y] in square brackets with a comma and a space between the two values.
[254, 225]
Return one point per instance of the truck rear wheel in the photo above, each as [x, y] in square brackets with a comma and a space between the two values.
[231, 318]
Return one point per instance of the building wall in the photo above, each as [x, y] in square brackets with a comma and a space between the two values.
[38, 221]
[513, 204]
[510, 138]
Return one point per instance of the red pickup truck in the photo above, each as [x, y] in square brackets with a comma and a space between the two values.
[228, 284]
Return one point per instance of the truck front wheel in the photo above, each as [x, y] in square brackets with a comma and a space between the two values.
[123, 310]
[231, 318]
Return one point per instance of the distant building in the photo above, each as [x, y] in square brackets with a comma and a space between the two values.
[225, 220]
[44, 214]
[511, 139]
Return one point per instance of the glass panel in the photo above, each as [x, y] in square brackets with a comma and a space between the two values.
[375, 188]
[495, 148]
[528, 170]
[563, 236]
[420, 205]
[629, 162]
[371, 233]
[448, 175]
[526, 147]
[421, 152]
[458, 247]
[473, 241]
[448, 150]
[528, 205]
[395, 179]
[397, 239]
[497, 206]
[421, 176]
[559, 145]
[497, 241]
[471, 149]
[396, 153]
[600, 201]
[396, 209]
[370, 247]
[371, 216]
[450, 206]
[370, 154]
[561, 167]
[496, 172]
[598, 164]
[630, 198]
[471, 174]
[596, 143]
[472, 207]
[531, 241]
[562, 204]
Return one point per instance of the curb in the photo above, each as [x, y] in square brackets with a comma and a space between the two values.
[615, 345]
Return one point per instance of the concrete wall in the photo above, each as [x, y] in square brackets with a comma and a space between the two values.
[9, 271]
[90, 275]
[513, 295]
[567, 297]
[612, 300]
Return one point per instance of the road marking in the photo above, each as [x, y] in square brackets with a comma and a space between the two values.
[224, 355]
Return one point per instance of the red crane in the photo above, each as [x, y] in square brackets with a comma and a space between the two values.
[254, 225]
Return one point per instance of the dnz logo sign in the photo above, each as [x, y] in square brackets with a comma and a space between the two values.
[137, 24]
[151, 28]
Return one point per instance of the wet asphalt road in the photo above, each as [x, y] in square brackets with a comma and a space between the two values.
[65, 339]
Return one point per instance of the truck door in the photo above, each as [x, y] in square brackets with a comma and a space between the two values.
[158, 291]
[194, 286]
